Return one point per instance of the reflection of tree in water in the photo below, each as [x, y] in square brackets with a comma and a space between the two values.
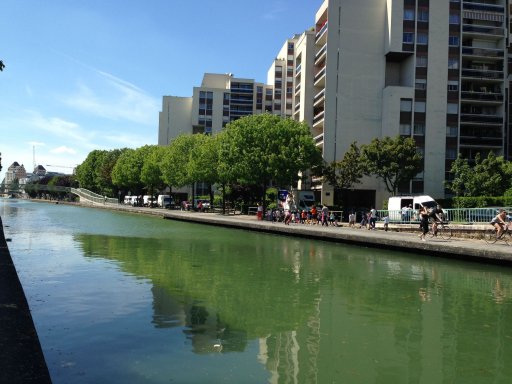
[304, 312]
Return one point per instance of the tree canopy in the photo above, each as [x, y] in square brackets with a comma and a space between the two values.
[394, 160]
[348, 171]
[488, 177]
[260, 149]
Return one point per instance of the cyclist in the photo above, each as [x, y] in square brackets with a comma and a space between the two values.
[499, 222]
[436, 216]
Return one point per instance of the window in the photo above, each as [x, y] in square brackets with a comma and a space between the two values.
[405, 129]
[420, 106]
[419, 129]
[408, 38]
[421, 84]
[405, 105]
[421, 61]
[422, 15]
[408, 14]
[454, 18]
[453, 63]
[422, 38]
[453, 41]
[451, 153]
[452, 108]
[451, 131]
[453, 85]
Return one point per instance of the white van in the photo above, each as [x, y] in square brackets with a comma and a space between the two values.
[404, 208]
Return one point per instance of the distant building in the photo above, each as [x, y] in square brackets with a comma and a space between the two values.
[220, 99]
[15, 171]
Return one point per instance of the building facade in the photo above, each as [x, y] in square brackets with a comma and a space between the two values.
[220, 99]
[433, 70]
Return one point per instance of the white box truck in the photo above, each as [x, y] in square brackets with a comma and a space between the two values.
[405, 208]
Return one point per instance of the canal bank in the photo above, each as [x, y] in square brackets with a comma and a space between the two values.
[403, 238]
[20, 351]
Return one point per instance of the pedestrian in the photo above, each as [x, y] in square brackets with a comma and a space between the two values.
[386, 222]
[423, 223]
[373, 218]
[325, 216]
[260, 212]
[314, 215]
[352, 220]
[332, 219]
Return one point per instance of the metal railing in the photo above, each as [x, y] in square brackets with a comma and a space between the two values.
[93, 197]
[454, 215]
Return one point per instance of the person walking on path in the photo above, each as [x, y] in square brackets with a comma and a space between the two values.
[373, 218]
[423, 223]
[325, 216]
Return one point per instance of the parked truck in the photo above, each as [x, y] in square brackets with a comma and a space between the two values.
[403, 208]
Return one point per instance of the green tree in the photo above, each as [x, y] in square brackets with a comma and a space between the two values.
[488, 177]
[2, 66]
[103, 171]
[491, 177]
[264, 149]
[175, 161]
[151, 172]
[394, 160]
[348, 171]
[204, 159]
[86, 172]
[126, 174]
[461, 177]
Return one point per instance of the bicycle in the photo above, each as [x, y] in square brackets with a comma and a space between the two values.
[443, 231]
[491, 237]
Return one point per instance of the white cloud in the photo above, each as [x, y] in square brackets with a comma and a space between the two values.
[115, 99]
[60, 127]
[63, 149]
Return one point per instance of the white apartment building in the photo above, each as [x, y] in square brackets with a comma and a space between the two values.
[221, 98]
[433, 70]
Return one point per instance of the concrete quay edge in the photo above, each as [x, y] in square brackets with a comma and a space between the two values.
[21, 356]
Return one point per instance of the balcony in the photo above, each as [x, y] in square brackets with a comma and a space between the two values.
[481, 96]
[472, 118]
[483, 52]
[297, 89]
[318, 120]
[480, 6]
[320, 78]
[319, 139]
[319, 98]
[488, 31]
[321, 35]
[321, 54]
[482, 74]
[298, 68]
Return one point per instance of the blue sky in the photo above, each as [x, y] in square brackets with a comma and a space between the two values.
[84, 75]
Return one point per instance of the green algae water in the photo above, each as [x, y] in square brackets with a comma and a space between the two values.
[121, 298]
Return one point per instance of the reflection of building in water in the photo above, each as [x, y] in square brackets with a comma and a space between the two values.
[167, 312]
[202, 325]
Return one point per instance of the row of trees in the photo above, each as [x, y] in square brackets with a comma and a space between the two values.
[491, 176]
[253, 153]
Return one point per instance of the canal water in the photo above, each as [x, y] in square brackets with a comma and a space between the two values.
[122, 298]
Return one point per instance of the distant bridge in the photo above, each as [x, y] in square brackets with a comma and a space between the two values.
[84, 194]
